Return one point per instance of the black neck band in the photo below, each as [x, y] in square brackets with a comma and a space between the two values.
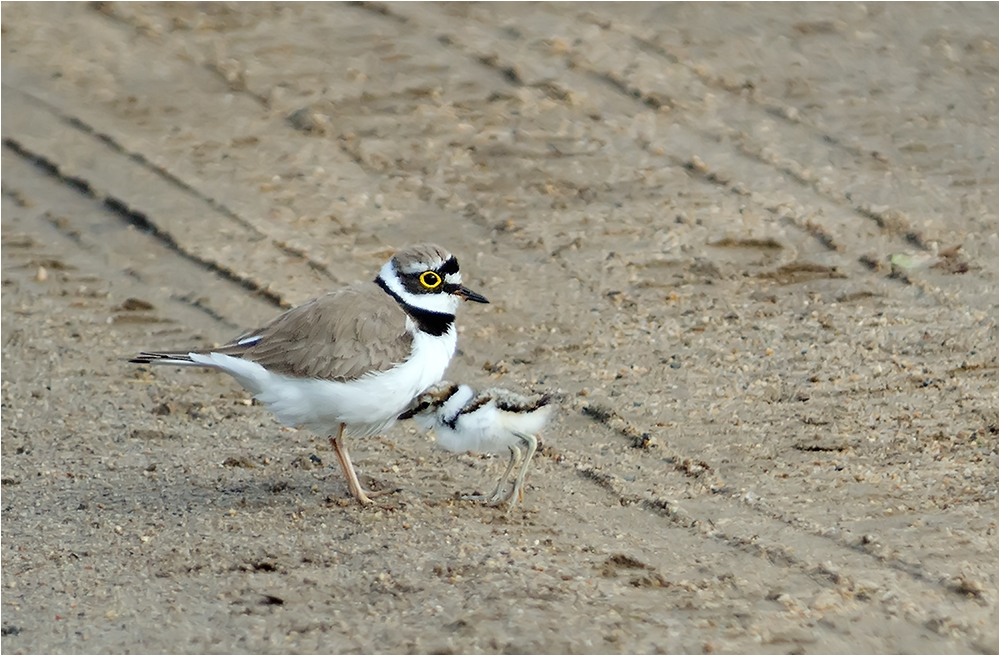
[432, 323]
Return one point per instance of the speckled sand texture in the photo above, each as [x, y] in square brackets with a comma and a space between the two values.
[755, 246]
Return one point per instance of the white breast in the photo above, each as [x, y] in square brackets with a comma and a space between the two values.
[368, 405]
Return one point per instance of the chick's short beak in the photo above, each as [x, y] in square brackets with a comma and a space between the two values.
[467, 294]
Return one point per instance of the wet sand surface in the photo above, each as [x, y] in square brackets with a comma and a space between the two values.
[753, 246]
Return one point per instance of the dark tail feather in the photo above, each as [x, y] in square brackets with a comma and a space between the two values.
[162, 358]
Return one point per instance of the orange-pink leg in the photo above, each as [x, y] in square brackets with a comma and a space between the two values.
[340, 447]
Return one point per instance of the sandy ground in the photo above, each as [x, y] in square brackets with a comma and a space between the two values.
[755, 246]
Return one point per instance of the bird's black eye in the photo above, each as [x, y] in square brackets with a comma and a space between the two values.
[430, 280]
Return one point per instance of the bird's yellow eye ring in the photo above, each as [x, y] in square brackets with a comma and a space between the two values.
[430, 280]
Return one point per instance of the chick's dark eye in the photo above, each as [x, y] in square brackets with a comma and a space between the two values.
[429, 279]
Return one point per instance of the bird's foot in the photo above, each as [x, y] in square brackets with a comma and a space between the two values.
[366, 497]
[489, 499]
[510, 498]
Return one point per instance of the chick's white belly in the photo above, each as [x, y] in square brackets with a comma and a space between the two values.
[488, 430]
[480, 432]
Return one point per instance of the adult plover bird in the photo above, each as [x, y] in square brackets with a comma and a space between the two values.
[491, 421]
[348, 363]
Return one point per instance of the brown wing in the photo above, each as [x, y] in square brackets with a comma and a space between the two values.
[340, 336]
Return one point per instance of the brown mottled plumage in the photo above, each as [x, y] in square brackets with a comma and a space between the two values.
[340, 336]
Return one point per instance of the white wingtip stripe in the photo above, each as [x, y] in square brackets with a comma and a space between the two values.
[171, 361]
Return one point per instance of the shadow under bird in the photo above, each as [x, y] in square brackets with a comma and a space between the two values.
[490, 421]
[348, 363]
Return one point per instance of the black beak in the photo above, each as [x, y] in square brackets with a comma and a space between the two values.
[467, 294]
